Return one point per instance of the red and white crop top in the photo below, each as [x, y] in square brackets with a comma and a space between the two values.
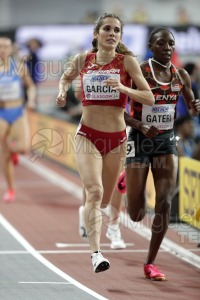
[94, 90]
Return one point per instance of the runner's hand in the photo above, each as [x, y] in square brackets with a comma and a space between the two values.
[30, 105]
[149, 131]
[195, 109]
[115, 84]
[61, 99]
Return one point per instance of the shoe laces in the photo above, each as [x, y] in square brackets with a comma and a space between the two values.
[96, 255]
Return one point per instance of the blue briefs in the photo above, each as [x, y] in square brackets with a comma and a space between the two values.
[10, 115]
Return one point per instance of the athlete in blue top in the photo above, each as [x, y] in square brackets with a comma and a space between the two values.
[14, 131]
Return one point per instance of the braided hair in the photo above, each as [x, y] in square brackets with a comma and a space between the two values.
[155, 31]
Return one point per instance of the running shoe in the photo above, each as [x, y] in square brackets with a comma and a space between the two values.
[9, 196]
[121, 183]
[151, 272]
[114, 235]
[99, 262]
[82, 228]
[15, 158]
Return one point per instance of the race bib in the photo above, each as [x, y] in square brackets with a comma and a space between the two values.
[160, 116]
[130, 149]
[95, 88]
[10, 91]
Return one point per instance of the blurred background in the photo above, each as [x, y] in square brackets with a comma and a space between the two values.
[50, 32]
[63, 28]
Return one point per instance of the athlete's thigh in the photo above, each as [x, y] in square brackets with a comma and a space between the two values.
[4, 129]
[164, 170]
[136, 177]
[89, 162]
[20, 134]
[113, 163]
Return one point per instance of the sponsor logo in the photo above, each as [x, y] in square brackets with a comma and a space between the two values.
[99, 72]
[175, 88]
[81, 133]
[122, 140]
[160, 109]
[92, 66]
[99, 78]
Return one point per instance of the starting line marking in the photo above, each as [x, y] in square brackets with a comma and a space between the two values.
[63, 245]
[74, 251]
[37, 282]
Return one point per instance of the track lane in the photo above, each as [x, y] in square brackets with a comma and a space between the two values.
[46, 215]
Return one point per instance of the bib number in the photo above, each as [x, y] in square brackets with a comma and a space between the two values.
[130, 149]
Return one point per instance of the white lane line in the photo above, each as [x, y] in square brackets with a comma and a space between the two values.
[12, 252]
[43, 260]
[53, 177]
[195, 250]
[74, 251]
[37, 282]
[63, 245]
[88, 251]
[139, 228]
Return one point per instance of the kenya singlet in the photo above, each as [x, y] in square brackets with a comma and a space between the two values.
[163, 112]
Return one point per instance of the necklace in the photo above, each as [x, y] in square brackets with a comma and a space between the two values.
[166, 67]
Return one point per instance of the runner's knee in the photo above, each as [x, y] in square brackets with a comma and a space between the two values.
[137, 215]
[94, 193]
[136, 207]
[163, 205]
